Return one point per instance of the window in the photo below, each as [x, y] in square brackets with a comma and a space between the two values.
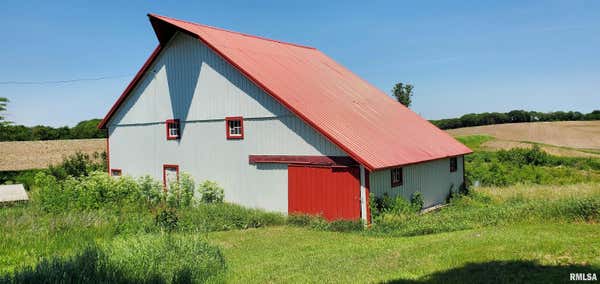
[453, 164]
[170, 175]
[172, 129]
[235, 127]
[396, 177]
[116, 172]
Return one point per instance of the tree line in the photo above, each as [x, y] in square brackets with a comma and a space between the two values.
[83, 130]
[513, 116]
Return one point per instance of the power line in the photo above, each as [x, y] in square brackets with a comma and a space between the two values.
[62, 81]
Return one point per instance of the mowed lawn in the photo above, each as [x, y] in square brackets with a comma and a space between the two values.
[539, 253]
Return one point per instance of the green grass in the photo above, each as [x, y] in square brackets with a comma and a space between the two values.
[28, 234]
[510, 234]
[539, 253]
[474, 142]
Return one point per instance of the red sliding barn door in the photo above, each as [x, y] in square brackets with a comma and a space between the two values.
[332, 192]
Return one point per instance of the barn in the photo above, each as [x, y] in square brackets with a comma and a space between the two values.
[279, 126]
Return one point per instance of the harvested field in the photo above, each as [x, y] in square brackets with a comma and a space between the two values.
[572, 134]
[561, 138]
[24, 155]
[554, 150]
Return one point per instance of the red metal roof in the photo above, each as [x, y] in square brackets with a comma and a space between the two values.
[369, 125]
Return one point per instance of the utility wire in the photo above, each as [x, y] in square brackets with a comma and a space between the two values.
[62, 81]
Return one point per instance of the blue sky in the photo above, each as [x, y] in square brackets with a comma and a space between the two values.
[462, 57]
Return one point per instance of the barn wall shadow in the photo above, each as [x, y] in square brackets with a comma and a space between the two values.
[505, 272]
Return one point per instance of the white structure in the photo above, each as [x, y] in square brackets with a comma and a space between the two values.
[13, 193]
[243, 111]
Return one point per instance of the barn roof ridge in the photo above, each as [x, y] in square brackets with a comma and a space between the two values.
[234, 32]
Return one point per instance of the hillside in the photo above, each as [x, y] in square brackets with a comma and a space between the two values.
[563, 138]
[23, 155]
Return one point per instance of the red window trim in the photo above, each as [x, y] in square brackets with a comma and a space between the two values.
[169, 166]
[173, 121]
[453, 164]
[232, 118]
[116, 170]
[399, 183]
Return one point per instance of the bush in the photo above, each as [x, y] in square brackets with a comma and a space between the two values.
[87, 192]
[211, 192]
[26, 177]
[151, 190]
[398, 206]
[167, 219]
[416, 201]
[78, 165]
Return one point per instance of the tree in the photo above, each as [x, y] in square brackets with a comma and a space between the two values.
[403, 92]
[3, 103]
[88, 129]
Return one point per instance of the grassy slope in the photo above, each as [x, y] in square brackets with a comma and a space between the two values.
[284, 254]
[543, 250]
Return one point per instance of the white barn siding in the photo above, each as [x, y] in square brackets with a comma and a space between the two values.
[188, 81]
[433, 179]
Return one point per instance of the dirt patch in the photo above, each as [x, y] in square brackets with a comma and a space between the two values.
[24, 155]
[572, 134]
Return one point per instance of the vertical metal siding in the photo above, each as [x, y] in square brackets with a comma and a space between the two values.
[138, 143]
[333, 193]
[189, 78]
[433, 179]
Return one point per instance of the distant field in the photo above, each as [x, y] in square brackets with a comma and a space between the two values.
[563, 138]
[23, 155]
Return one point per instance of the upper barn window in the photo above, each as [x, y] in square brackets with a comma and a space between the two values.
[235, 127]
[396, 175]
[453, 164]
[173, 129]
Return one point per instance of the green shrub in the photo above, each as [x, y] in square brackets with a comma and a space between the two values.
[77, 165]
[398, 206]
[151, 190]
[181, 192]
[87, 192]
[188, 188]
[167, 219]
[26, 177]
[416, 200]
[211, 192]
